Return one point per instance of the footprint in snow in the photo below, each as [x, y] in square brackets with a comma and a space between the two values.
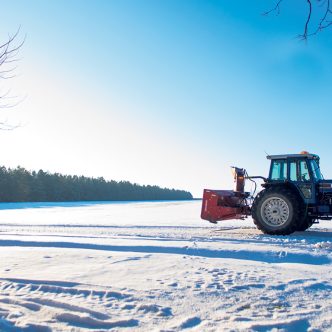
[174, 284]
[190, 323]
[166, 312]
[128, 307]
[147, 308]
[228, 281]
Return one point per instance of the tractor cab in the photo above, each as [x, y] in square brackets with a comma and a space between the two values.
[300, 171]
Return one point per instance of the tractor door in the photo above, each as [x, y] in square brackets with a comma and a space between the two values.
[278, 170]
[300, 176]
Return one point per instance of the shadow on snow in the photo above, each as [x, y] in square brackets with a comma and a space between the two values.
[267, 257]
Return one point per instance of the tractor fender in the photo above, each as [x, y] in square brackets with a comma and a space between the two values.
[287, 185]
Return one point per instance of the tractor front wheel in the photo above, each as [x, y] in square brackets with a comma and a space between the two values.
[277, 211]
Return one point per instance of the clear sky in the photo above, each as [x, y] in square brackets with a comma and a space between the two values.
[165, 92]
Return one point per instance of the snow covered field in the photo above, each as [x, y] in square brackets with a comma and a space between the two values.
[157, 267]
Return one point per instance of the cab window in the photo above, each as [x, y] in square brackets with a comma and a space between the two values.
[315, 170]
[279, 170]
[304, 171]
[298, 171]
[293, 171]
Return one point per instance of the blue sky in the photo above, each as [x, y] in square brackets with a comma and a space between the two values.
[165, 92]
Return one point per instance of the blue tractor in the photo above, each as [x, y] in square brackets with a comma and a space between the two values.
[295, 195]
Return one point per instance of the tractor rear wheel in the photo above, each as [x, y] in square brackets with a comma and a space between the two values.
[277, 211]
[307, 223]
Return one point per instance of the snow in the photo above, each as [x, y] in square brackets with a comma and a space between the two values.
[156, 266]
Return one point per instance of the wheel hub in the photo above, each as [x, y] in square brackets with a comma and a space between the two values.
[275, 211]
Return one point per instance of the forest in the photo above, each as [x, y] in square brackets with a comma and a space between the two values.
[21, 185]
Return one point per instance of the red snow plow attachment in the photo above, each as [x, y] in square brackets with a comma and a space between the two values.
[224, 204]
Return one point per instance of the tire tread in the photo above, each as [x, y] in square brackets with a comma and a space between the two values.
[298, 211]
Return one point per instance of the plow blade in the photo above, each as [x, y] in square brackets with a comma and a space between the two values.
[220, 205]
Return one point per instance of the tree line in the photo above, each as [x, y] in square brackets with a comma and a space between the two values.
[21, 185]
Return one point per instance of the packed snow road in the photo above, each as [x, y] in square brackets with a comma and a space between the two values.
[155, 266]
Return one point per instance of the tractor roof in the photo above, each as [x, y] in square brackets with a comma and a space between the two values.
[292, 156]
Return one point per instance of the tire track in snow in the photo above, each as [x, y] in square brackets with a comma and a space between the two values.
[59, 304]
[54, 303]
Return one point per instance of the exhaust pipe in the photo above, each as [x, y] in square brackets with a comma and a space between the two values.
[239, 178]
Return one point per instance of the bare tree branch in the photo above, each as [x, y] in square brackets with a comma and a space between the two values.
[8, 56]
[305, 32]
[276, 9]
[321, 8]
[324, 22]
